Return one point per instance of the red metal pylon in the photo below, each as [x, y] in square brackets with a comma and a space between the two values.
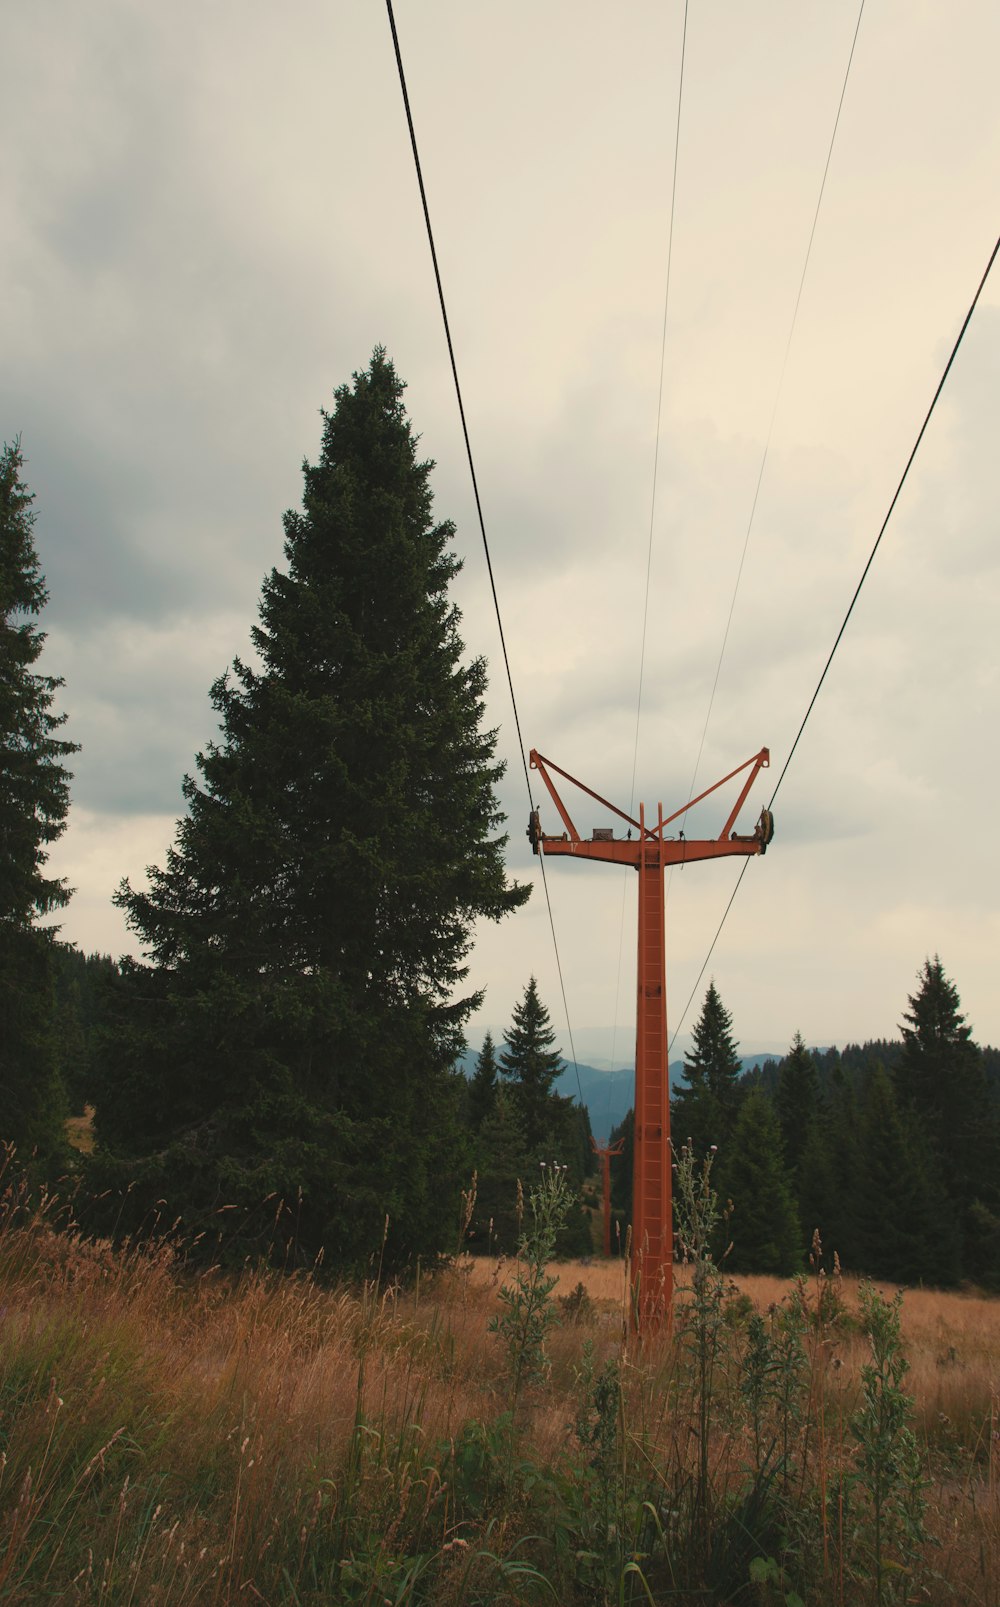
[648, 853]
[604, 1153]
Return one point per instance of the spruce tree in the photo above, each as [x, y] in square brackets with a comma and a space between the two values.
[764, 1226]
[34, 802]
[906, 1228]
[796, 1101]
[815, 1190]
[940, 1079]
[715, 1051]
[829, 1173]
[704, 1112]
[81, 984]
[483, 1084]
[292, 1034]
[530, 1066]
[941, 1076]
[504, 1177]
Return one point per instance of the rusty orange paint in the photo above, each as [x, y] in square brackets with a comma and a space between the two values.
[604, 1153]
[649, 852]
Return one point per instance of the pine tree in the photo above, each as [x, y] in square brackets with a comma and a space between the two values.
[764, 1227]
[829, 1173]
[715, 1052]
[906, 1228]
[530, 1066]
[483, 1084]
[796, 1101]
[941, 1080]
[293, 1033]
[34, 802]
[570, 1141]
[940, 1075]
[704, 1112]
[502, 1163]
[81, 983]
[815, 1190]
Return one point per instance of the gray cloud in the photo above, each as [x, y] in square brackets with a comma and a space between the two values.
[212, 218]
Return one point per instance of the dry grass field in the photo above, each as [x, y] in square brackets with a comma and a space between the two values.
[951, 1339]
[175, 1438]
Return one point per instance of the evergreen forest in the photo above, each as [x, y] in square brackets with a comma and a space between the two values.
[278, 1081]
[888, 1150]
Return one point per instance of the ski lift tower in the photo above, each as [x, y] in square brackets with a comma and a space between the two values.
[604, 1153]
[648, 850]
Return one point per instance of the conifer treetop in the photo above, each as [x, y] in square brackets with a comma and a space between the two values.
[529, 1063]
[354, 759]
[714, 1053]
[295, 1029]
[935, 1017]
[34, 783]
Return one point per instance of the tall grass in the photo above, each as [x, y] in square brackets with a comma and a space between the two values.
[168, 1438]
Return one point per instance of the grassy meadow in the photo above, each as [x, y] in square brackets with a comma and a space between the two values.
[170, 1437]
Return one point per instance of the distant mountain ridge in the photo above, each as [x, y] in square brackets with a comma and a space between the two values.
[608, 1095]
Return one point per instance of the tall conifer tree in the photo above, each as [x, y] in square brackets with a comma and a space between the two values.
[816, 1189]
[34, 802]
[941, 1080]
[796, 1101]
[293, 1033]
[704, 1112]
[503, 1169]
[764, 1228]
[940, 1075]
[556, 1128]
[483, 1084]
[838, 1221]
[906, 1228]
[531, 1065]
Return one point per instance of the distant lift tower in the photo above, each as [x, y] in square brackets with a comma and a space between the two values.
[604, 1152]
[649, 850]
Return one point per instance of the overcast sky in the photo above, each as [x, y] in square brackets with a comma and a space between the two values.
[209, 219]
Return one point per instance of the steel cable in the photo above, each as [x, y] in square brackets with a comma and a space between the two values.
[479, 506]
[850, 609]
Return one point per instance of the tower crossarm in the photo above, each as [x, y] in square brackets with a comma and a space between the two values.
[672, 851]
[649, 849]
[668, 850]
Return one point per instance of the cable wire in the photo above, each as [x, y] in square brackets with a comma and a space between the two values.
[479, 506]
[659, 405]
[711, 948]
[652, 506]
[777, 399]
[857, 592]
[559, 969]
[878, 540]
[458, 388]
